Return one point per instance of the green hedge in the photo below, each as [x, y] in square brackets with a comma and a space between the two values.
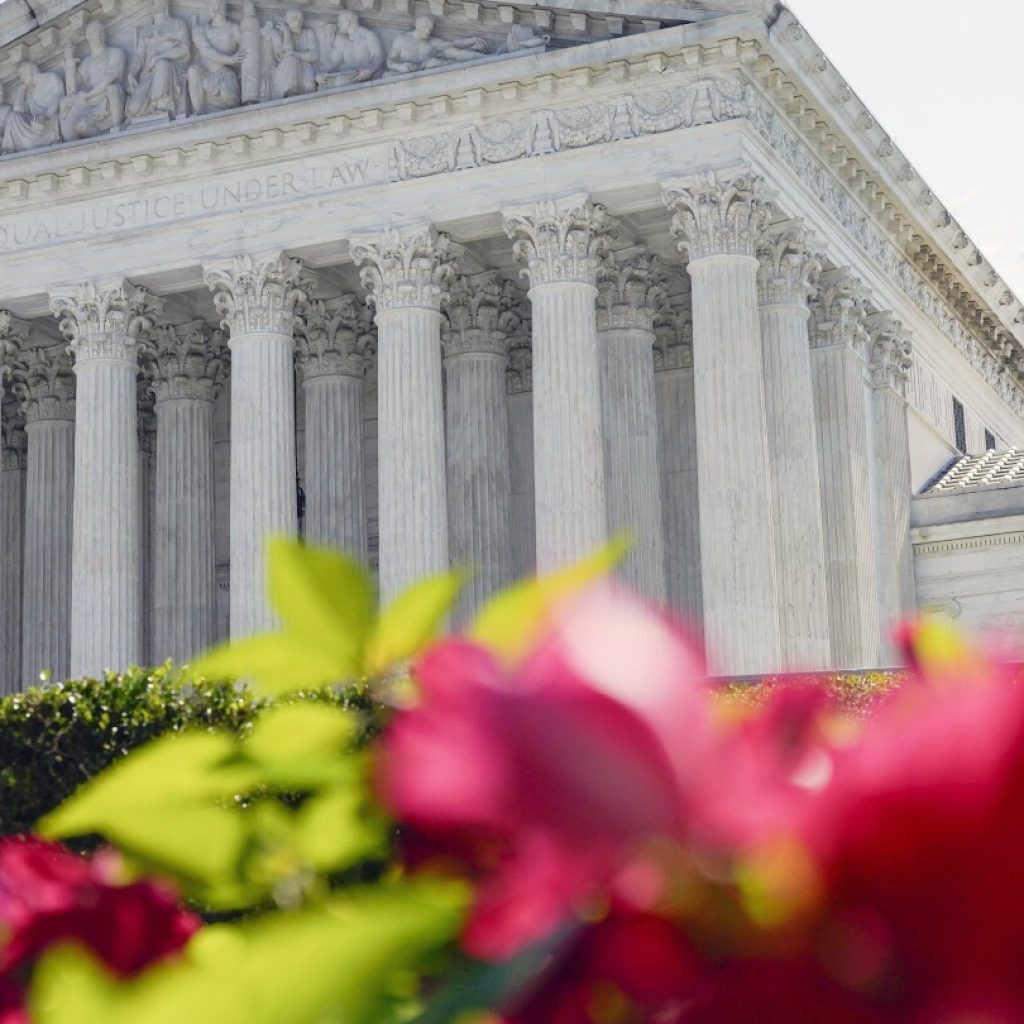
[54, 738]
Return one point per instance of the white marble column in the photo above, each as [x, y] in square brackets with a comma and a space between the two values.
[146, 429]
[405, 273]
[891, 359]
[476, 340]
[560, 243]
[677, 450]
[12, 544]
[718, 219]
[838, 337]
[786, 280]
[257, 297]
[628, 295]
[45, 386]
[334, 350]
[103, 322]
[519, 403]
[186, 365]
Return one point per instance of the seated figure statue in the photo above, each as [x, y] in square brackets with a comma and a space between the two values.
[418, 50]
[5, 112]
[212, 80]
[95, 99]
[33, 120]
[156, 73]
[295, 55]
[356, 54]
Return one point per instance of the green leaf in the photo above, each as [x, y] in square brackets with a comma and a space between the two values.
[323, 598]
[412, 620]
[274, 662]
[300, 731]
[335, 829]
[511, 623]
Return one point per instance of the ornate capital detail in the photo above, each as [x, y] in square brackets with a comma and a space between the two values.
[334, 337]
[185, 361]
[673, 339]
[44, 384]
[15, 444]
[105, 320]
[892, 352]
[630, 290]
[718, 213]
[258, 293]
[13, 339]
[838, 311]
[145, 416]
[479, 316]
[787, 273]
[406, 268]
[560, 240]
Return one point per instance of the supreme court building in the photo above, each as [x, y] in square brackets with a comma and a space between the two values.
[483, 282]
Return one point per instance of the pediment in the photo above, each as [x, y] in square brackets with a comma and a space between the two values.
[102, 67]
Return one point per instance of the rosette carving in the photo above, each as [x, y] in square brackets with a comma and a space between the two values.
[185, 361]
[333, 337]
[44, 384]
[475, 320]
[891, 352]
[787, 273]
[406, 267]
[630, 289]
[718, 213]
[259, 294]
[560, 240]
[838, 311]
[105, 320]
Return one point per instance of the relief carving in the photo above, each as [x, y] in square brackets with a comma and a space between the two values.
[420, 50]
[213, 82]
[356, 54]
[33, 120]
[294, 55]
[156, 75]
[95, 98]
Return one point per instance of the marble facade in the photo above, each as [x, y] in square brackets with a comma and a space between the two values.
[451, 282]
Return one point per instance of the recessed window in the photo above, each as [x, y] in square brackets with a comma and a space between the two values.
[959, 426]
[990, 441]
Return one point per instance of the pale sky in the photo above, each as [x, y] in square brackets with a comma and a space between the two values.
[945, 79]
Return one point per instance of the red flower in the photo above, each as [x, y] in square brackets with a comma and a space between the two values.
[562, 765]
[12, 1008]
[49, 895]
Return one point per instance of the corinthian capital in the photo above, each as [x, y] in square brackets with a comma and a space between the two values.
[673, 339]
[258, 294]
[104, 320]
[476, 320]
[15, 445]
[787, 273]
[560, 240]
[332, 338]
[838, 311]
[44, 384]
[406, 268]
[718, 213]
[891, 352]
[184, 361]
[13, 338]
[630, 290]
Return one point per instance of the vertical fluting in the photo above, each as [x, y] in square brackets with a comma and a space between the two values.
[185, 587]
[632, 472]
[677, 449]
[106, 607]
[568, 432]
[522, 502]
[335, 491]
[741, 617]
[793, 458]
[839, 397]
[263, 494]
[49, 491]
[479, 486]
[12, 543]
[413, 511]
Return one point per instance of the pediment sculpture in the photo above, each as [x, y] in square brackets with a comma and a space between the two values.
[172, 64]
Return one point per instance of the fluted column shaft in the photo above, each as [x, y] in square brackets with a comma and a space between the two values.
[786, 277]
[257, 298]
[522, 506]
[560, 244]
[719, 219]
[405, 274]
[12, 543]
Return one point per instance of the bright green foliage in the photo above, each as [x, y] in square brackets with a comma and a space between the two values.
[340, 962]
[237, 821]
[330, 632]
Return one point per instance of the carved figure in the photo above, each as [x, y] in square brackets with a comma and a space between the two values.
[212, 79]
[418, 50]
[95, 97]
[5, 112]
[162, 52]
[295, 54]
[356, 54]
[34, 118]
[523, 37]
